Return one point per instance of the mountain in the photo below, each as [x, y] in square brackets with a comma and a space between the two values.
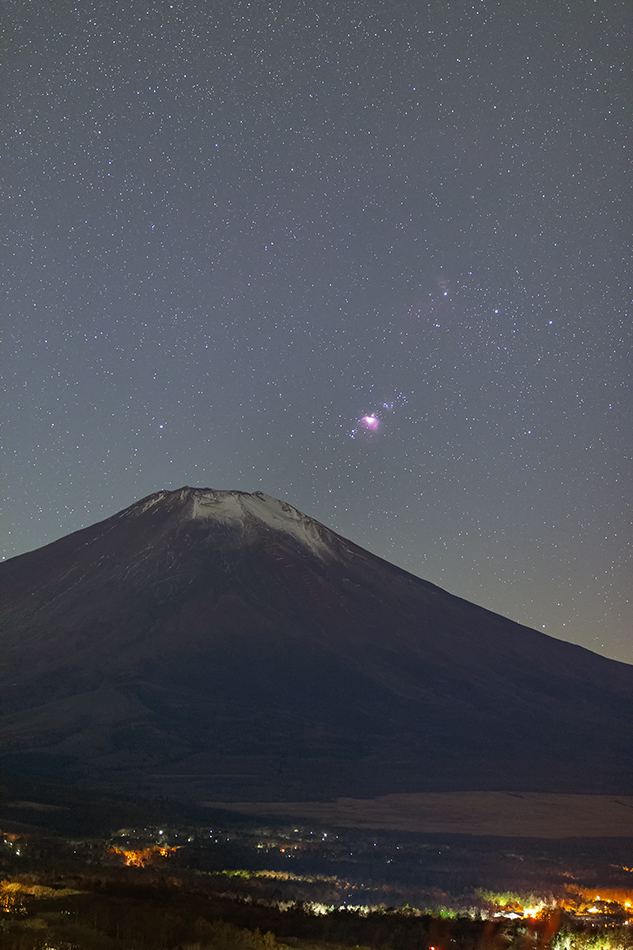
[224, 644]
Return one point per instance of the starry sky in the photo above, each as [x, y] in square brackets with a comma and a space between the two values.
[367, 256]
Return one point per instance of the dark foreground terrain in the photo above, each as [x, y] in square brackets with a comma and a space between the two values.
[375, 762]
[79, 871]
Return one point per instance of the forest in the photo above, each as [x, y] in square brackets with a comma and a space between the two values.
[83, 871]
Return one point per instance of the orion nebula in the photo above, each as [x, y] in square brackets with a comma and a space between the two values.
[371, 423]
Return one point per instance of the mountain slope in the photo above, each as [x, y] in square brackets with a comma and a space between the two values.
[226, 643]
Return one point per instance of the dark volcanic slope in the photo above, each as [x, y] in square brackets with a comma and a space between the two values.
[226, 643]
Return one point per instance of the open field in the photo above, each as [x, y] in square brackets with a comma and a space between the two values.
[505, 814]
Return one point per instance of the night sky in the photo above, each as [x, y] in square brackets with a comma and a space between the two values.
[367, 257]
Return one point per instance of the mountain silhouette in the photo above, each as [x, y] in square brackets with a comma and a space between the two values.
[224, 644]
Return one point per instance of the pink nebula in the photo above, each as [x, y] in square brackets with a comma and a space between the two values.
[370, 422]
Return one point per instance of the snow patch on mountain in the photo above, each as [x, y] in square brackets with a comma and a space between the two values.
[243, 509]
[150, 502]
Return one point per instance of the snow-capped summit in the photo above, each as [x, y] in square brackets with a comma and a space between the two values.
[240, 509]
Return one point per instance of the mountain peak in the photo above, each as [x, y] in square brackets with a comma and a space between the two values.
[241, 510]
[223, 643]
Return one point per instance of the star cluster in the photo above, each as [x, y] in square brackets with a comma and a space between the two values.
[240, 232]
